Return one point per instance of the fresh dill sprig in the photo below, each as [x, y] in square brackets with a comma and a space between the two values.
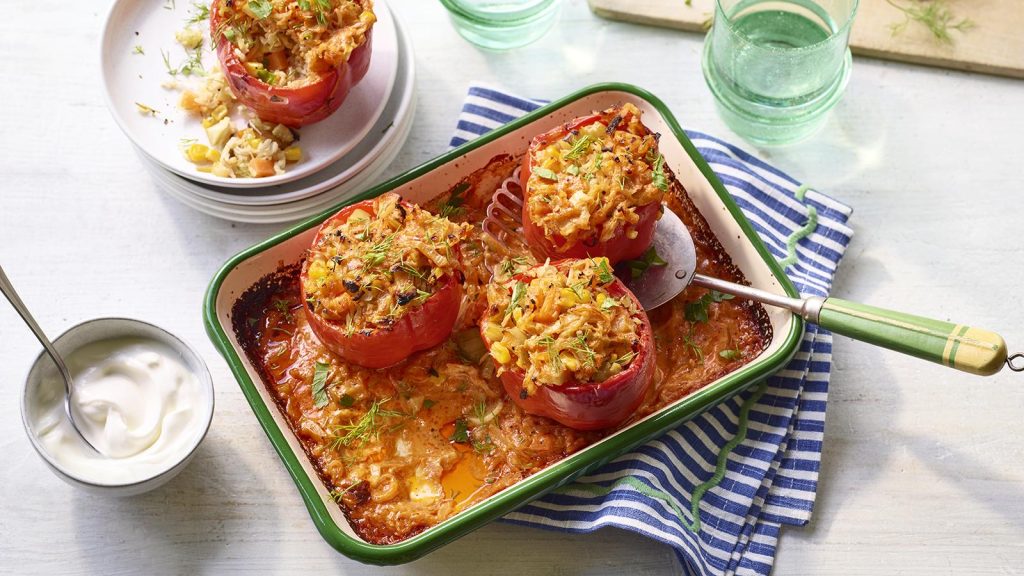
[378, 253]
[453, 206]
[549, 343]
[582, 348]
[511, 265]
[138, 50]
[480, 412]
[199, 13]
[366, 428]
[935, 15]
[579, 146]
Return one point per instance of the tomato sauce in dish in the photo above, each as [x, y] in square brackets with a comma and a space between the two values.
[407, 447]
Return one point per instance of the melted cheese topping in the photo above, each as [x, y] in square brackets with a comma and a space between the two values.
[293, 42]
[370, 271]
[591, 183]
[560, 324]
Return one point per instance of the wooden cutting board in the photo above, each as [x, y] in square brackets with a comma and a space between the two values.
[994, 46]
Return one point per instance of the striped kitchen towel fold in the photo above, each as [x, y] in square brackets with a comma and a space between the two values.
[719, 488]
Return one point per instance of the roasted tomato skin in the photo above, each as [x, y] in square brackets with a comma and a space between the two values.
[419, 329]
[619, 247]
[293, 107]
[590, 405]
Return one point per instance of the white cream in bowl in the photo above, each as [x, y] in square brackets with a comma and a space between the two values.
[139, 400]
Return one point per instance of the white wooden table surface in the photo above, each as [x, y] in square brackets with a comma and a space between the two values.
[923, 469]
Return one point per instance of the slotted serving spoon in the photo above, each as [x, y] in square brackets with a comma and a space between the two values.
[958, 346]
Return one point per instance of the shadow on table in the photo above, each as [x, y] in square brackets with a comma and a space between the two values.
[177, 528]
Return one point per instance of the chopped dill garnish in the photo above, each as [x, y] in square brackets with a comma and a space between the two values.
[199, 13]
[364, 429]
[579, 146]
[693, 346]
[480, 412]
[378, 253]
[337, 494]
[935, 15]
[320, 397]
[346, 401]
[553, 357]
[484, 446]
[138, 50]
[583, 350]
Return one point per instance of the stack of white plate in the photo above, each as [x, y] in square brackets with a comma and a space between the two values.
[342, 155]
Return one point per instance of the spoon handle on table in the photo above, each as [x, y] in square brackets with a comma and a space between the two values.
[958, 346]
[955, 345]
[12, 296]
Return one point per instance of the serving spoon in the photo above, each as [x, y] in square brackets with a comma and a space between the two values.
[958, 346]
[12, 296]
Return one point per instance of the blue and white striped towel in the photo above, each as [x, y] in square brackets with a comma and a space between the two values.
[719, 488]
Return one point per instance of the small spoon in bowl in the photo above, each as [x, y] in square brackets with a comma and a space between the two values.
[12, 296]
[958, 346]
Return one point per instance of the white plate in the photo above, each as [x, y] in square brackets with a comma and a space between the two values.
[397, 110]
[129, 77]
[298, 210]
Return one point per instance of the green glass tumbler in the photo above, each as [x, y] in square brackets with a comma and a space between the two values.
[776, 67]
[502, 24]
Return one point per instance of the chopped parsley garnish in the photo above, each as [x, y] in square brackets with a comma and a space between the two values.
[731, 354]
[509, 267]
[518, 292]
[285, 308]
[266, 76]
[367, 427]
[650, 258]
[461, 433]
[604, 272]
[697, 311]
[428, 403]
[579, 146]
[453, 206]
[320, 397]
[545, 173]
[260, 8]
[346, 401]
[484, 446]
[658, 173]
[609, 303]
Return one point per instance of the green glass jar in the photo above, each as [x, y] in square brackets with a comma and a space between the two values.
[776, 68]
[502, 24]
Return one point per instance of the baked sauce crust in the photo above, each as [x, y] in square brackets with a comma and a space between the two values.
[407, 447]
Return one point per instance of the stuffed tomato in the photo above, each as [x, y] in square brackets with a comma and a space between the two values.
[593, 187]
[292, 61]
[570, 342]
[381, 281]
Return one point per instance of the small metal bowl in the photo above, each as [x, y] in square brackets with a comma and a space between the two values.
[43, 370]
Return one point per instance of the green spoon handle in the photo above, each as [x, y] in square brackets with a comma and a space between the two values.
[955, 345]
